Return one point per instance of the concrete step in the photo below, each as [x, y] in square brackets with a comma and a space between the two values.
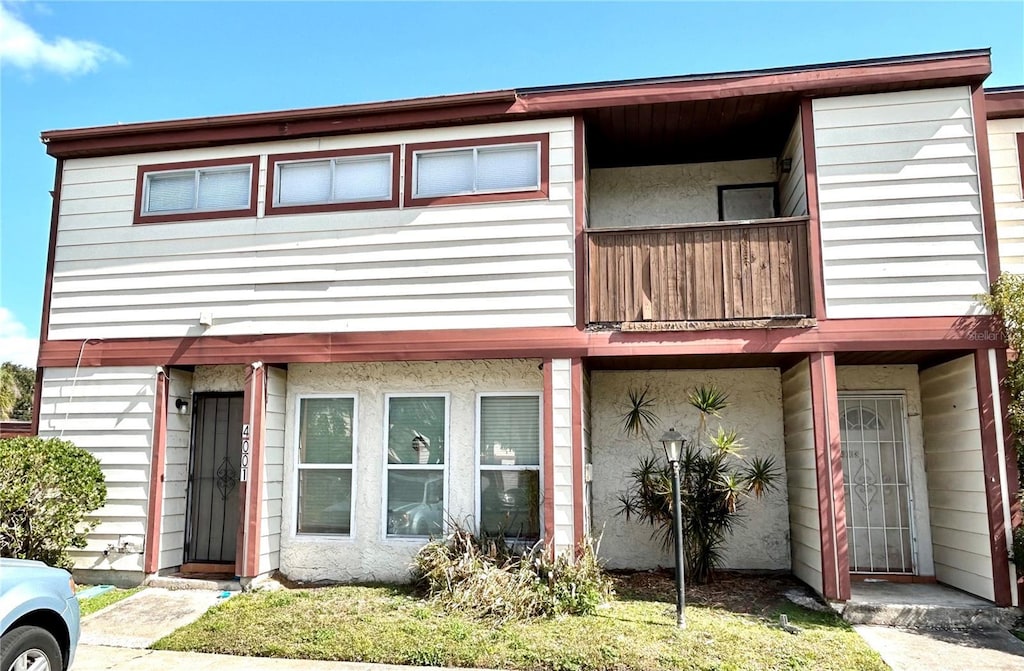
[929, 616]
[181, 583]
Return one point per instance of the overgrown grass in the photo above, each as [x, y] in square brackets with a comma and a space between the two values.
[389, 624]
[108, 598]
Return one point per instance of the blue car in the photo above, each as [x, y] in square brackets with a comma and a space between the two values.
[39, 617]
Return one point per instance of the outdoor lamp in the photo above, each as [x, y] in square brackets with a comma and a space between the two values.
[673, 442]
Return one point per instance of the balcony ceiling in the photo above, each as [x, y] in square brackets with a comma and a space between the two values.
[723, 129]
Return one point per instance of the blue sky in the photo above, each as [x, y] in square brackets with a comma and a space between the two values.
[67, 65]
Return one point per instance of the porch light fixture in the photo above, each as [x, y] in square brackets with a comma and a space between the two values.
[182, 406]
[674, 443]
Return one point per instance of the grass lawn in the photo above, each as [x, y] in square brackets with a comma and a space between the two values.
[731, 625]
[96, 603]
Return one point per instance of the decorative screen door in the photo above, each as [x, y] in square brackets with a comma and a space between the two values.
[876, 477]
[213, 509]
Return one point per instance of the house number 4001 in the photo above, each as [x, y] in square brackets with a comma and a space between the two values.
[243, 475]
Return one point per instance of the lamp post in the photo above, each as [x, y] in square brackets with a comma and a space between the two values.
[673, 442]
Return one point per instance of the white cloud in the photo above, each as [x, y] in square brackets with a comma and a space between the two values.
[15, 345]
[21, 46]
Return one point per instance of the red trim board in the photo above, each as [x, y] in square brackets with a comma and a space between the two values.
[158, 458]
[814, 251]
[1010, 455]
[988, 203]
[580, 218]
[549, 456]
[254, 408]
[990, 439]
[835, 565]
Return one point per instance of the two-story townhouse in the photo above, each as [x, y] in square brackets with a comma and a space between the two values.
[305, 340]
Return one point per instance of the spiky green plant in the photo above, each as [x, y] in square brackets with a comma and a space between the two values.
[714, 482]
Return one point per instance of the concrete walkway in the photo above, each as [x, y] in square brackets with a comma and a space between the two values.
[144, 618]
[945, 650]
[103, 658]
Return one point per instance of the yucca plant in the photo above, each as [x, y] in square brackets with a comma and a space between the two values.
[715, 480]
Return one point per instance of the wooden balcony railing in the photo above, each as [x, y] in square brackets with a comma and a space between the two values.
[698, 272]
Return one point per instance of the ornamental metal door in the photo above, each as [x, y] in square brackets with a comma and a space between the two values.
[213, 479]
[876, 477]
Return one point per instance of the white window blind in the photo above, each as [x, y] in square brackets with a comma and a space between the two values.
[198, 189]
[483, 169]
[339, 180]
[509, 457]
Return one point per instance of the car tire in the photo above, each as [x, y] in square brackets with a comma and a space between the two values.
[31, 644]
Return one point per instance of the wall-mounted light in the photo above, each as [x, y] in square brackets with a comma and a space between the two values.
[785, 165]
[182, 406]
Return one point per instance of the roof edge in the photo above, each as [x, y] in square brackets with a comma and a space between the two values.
[1004, 102]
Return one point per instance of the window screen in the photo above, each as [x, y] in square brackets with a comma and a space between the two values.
[481, 169]
[338, 180]
[200, 189]
[746, 202]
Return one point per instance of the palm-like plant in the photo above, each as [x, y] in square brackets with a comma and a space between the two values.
[714, 482]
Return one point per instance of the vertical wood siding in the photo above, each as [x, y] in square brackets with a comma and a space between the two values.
[900, 209]
[734, 271]
[793, 184]
[179, 434]
[802, 475]
[109, 412]
[561, 420]
[465, 266]
[1006, 185]
[956, 481]
[273, 470]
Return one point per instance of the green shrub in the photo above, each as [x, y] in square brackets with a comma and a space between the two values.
[487, 578]
[47, 487]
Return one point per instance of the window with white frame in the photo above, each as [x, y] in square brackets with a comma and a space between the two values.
[206, 189]
[327, 430]
[348, 179]
[416, 439]
[472, 170]
[508, 453]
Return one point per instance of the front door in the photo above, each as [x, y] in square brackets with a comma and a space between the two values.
[876, 478]
[213, 507]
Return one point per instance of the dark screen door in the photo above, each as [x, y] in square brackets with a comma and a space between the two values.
[214, 486]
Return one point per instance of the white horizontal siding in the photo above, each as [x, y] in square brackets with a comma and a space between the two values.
[109, 412]
[273, 470]
[956, 483]
[465, 266]
[802, 475]
[179, 432]
[562, 450]
[793, 184]
[1006, 187]
[900, 207]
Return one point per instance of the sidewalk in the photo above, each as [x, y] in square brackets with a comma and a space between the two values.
[104, 658]
[945, 650]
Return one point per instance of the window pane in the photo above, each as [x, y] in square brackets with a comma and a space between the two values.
[224, 189]
[416, 430]
[304, 182]
[325, 502]
[175, 191]
[510, 430]
[444, 173]
[510, 503]
[507, 168]
[362, 178]
[415, 502]
[756, 202]
[325, 432]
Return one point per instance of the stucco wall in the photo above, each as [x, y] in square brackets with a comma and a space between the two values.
[218, 378]
[761, 538]
[901, 379]
[668, 194]
[367, 556]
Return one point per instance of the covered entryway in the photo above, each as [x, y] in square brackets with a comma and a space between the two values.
[876, 483]
[213, 492]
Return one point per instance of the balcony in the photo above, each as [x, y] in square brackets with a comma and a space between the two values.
[721, 271]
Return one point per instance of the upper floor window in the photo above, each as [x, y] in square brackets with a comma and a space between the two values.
[197, 190]
[510, 168]
[332, 180]
[742, 202]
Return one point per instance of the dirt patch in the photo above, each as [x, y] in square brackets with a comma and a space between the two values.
[737, 591]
